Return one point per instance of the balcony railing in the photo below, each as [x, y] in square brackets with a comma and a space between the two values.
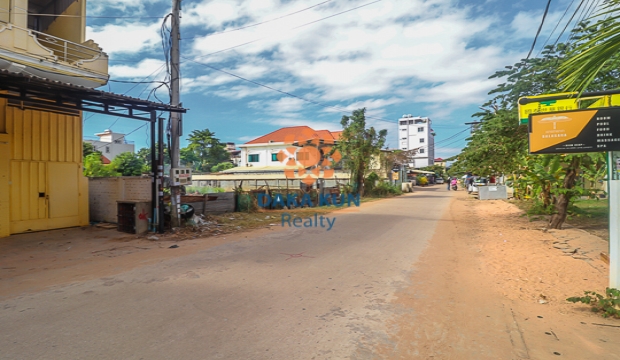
[68, 51]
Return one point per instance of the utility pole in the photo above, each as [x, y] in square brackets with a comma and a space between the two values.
[175, 118]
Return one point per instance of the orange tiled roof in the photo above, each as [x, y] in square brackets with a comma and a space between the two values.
[336, 135]
[105, 160]
[294, 134]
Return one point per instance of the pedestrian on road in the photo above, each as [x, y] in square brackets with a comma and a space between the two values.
[448, 183]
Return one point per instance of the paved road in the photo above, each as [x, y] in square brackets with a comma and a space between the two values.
[329, 298]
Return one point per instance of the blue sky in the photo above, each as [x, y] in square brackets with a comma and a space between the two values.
[394, 57]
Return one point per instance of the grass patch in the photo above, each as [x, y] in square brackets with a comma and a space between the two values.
[591, 215]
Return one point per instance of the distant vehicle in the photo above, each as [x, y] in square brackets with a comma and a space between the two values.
[439, 180]
[478, 181]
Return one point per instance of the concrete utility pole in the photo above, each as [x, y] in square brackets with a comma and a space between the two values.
[613, 182]
[175, 118]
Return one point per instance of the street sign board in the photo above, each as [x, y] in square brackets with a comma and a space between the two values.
[578, 131]
[545, 105]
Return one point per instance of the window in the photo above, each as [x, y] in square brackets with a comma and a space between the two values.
[421, 140]
[421, 151]
[404, 148]
[403, 138]
[421, 129]
[253, 158]
[403, 129]
[411, 122]
[419, 121]
[404, 122]
[274, 157]
[107, 149]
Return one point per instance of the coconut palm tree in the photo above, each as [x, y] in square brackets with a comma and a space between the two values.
[596, 51]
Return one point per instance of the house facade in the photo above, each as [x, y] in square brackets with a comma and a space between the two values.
[263, 151]
[41, 181]
[111, 144]
[417, 133]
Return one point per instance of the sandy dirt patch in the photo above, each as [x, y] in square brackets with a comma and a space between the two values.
[492, 285]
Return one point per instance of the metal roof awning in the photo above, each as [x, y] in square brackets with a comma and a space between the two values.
[55, 95]
[33, 92]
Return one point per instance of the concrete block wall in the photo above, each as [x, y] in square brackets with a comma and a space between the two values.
[105, 192]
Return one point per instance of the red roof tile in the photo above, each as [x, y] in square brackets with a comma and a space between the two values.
[294, 134]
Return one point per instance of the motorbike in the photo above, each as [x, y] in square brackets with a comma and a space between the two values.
[454, 187]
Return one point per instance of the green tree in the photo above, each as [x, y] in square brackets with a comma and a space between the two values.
[128, 164]
[93, 167]
[222, 166]
[357, 145]
[88, 148]
[499, 146]
[595, 54]
[207, 150]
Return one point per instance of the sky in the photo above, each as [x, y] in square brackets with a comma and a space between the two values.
[430, 58]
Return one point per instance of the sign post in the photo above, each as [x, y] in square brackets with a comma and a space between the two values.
[581, 131]
[613, 181]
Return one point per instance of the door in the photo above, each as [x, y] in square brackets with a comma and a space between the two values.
[28, 196]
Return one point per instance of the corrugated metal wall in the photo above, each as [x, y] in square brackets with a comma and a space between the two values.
[44, 136]
[45, 161]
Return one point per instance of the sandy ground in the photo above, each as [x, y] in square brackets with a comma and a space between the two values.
[489, 285]
[490, 266]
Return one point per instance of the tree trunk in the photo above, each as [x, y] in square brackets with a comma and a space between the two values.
[561, 206]
[546, 195]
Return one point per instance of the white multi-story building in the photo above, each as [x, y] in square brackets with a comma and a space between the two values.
[417, 133]
[111, 144]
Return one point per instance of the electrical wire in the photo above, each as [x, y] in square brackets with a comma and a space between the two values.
[259, 23]
[539, 29]
[122, 137]
[568, 23]
[555, 28]
[338, 109]
[294, 28]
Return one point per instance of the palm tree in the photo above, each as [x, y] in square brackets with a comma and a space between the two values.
[600, 45]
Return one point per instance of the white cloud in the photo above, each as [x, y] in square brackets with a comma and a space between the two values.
[115, 38]
[142, 69]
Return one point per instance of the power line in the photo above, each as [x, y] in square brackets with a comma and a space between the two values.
[568, 23]
[284, 92]
[294, 28]
[259, 23]
[555, 28]
[122, 137]
[539, 29]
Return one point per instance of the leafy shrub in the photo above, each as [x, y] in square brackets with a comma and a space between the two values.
[384, 189]
[422, 180]
[608, 304]
[203, 190]
[370, 181]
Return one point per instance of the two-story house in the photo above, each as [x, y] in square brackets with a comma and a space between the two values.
[111, 144]
[263, 151]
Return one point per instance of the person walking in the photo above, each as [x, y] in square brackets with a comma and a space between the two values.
[448, 183]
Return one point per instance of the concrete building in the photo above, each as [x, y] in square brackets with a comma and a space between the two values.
[235, 155]
[263, 150]
[417, 133]
[112, 144]
[41, 181]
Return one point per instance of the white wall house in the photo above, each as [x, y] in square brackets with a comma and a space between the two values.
[111, 144]
[260, 155]
[263, 151]
[417, 133]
